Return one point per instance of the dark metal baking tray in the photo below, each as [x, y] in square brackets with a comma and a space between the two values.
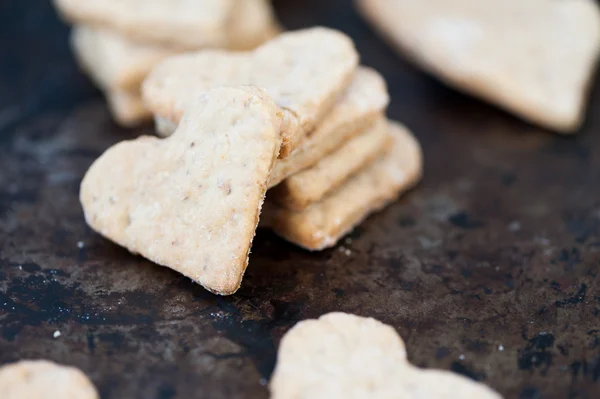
[488, 268]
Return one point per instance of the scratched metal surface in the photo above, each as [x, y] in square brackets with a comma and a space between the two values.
[489, 268]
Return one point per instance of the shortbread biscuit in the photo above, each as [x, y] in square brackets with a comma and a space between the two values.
[252, 23]
[127, 108]
[355, 110]
[302, 71]
[311, 185]
[42, 379]
[118, 67]
[342, 356]
[113, 61]
[322, 224]
[191, 201]
[181, 24]
[534, 58]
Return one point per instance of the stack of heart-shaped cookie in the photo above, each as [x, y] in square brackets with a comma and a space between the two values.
[335, 161]
[117, 42]
[297, 115]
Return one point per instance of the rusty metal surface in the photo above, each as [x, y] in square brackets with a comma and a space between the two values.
[489, 268]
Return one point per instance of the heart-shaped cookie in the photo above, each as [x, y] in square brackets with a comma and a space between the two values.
[178, 24]
[342, 356]
[112, 61]
[41, 379]
[312, 184]
[375, 186]
[303, 71]
[534, 58]
[357, 108]
[191, 201]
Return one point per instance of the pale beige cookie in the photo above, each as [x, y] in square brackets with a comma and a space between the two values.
[252, 23]
[191, 201]
[534, 58]
[357, 108]
[179, 24]
[113, 61]
[175, 23]
[310, 185]
[127, 108]
[303, 71]
[41, 379]
[118, 67]
[322, 224]
[342, 356]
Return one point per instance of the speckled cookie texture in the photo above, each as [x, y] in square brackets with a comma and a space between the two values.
[342, 356]
[324, 223]
[534, 58]
[357, 108]
[41, 379]
[303, 71]
[191, 202]
[304, 188]
[179, 24]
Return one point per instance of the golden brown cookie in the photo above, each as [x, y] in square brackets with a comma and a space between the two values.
[356, 109]
[191, 201]
[303, 71]
[324, 223]
[310, 185]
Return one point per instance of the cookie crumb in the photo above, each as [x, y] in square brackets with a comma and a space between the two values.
[348, 252]
[56, 334]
